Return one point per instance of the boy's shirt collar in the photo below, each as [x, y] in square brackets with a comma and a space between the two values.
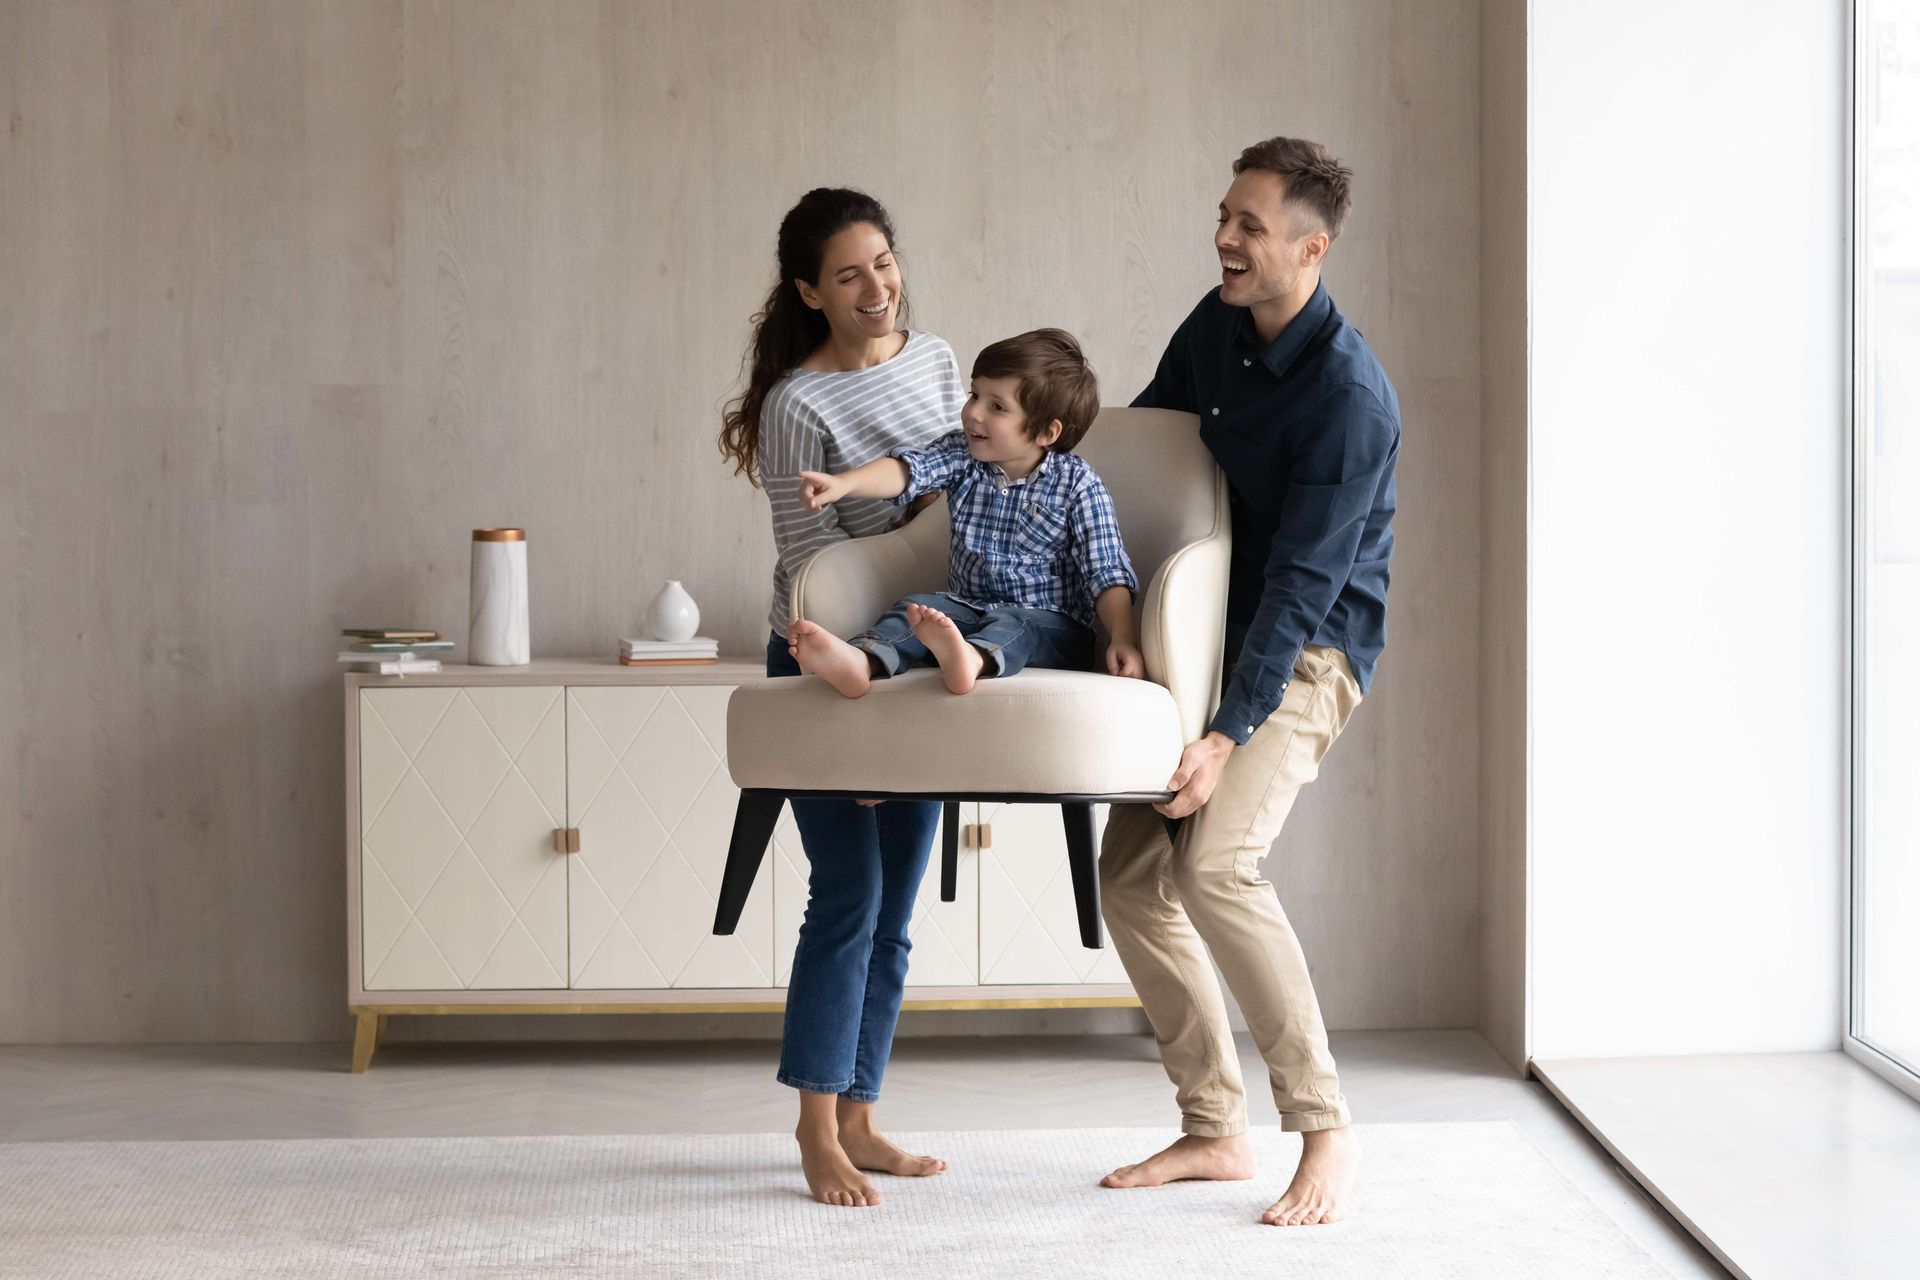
[998, 474]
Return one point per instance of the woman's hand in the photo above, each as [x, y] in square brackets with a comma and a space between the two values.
[1125, 660]
[817, 489]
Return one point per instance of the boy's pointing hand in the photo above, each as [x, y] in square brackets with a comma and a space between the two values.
[817, 489]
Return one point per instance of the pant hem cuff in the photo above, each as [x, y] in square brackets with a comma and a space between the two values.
[1313, 1121]
[860, 1095]
[1213, 1128]
[808, 1086]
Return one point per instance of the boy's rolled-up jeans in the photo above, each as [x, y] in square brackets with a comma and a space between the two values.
[1008, 636]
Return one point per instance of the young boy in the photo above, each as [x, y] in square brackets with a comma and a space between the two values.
[1036, 553]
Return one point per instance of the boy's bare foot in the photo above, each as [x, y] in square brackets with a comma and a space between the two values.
[830, 1174]
[1323, 1184]
[960, 662]
[821, 653]
[1190, 1157]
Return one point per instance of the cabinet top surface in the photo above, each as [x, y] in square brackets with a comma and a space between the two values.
[729, 670]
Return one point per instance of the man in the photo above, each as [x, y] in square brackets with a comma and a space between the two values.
[1306, 426]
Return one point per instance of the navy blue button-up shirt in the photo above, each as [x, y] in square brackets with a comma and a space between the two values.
[1307, 430]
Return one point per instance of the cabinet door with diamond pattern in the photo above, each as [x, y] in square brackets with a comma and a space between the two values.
[460, 792]
[647, 786]
[1029, 929]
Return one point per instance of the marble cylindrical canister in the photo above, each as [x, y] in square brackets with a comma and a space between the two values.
[497, 635]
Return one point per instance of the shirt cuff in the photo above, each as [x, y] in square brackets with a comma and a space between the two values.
[1242, 713]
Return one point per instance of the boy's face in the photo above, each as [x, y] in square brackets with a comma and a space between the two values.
[996, 425]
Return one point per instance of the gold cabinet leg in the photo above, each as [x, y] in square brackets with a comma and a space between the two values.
[366, 1034]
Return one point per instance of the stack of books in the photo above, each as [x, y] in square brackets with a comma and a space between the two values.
[669, 653]
[392, 651]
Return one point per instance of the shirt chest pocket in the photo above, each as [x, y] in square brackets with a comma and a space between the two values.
[1040, 532]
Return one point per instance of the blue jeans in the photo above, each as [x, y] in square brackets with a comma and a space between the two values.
[1009, 637]
[850, 967]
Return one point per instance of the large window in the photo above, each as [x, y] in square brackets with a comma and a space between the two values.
[1885, 1013]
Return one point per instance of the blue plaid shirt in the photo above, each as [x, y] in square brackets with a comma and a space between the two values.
[1048, 540]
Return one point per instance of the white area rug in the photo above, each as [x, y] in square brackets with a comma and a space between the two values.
[1470, 1200]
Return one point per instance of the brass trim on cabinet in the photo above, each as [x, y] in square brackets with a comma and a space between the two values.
[747, 1006]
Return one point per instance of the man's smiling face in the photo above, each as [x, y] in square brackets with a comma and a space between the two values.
[1264, 244]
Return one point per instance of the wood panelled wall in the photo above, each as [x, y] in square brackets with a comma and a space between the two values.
[293, 296]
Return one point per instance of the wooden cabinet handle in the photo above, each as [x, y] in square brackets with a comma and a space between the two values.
[566, 839]
[977, 835]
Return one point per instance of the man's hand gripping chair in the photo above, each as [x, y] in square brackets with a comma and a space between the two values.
[1071, 738]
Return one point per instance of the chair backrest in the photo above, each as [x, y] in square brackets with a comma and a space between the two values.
[1166, 488]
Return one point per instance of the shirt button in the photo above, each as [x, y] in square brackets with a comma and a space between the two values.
[1247, 363]
[1216, 411]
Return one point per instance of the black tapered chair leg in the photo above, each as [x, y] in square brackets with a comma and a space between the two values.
[753, 822]
[1082, 861]
[1173, 828]
[949, 850]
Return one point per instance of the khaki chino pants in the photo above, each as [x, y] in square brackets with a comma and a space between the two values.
[1168, 907]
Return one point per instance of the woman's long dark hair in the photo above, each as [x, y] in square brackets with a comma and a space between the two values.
[787, 330]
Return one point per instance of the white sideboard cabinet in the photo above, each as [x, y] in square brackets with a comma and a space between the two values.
[550, 839]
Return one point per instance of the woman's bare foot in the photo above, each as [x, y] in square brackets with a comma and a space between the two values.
[1190, 1157]
[868, 1150]
[875, 1154]
[821, 653]
[960, 662]
[831, 1177]
[1323, 1184]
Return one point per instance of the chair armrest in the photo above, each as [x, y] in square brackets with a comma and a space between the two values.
[847, 586]
[1183, 623]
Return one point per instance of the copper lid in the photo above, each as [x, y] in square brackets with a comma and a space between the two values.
[499, 535]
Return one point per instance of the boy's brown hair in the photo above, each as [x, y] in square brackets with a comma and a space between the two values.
[1054, 378]
[1314, 180]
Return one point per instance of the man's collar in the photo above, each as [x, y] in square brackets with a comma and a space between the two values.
[1291, 340]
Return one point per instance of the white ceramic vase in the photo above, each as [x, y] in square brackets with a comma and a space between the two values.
[497, 630]
[673, 615]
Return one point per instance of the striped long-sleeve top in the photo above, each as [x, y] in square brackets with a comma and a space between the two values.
[833, 422]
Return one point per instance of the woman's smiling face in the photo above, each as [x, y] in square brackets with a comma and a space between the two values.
[859, 286]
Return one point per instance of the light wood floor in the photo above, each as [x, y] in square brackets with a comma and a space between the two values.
[439, 1089]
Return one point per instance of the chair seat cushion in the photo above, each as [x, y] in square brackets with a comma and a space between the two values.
[1041, 731]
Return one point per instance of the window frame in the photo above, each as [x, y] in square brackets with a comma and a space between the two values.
[1902, 1075]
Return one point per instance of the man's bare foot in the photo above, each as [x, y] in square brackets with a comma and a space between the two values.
[1190, 1157]
[830, 1174]
[1323, 1184]
[960, 662]
[821, 653]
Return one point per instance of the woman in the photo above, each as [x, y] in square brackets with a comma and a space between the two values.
[836, 380]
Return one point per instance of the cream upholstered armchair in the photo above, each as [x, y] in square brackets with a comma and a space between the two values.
[1071, 738]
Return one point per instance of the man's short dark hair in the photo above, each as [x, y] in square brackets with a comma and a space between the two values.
[1314, 180]
[1055, 382]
